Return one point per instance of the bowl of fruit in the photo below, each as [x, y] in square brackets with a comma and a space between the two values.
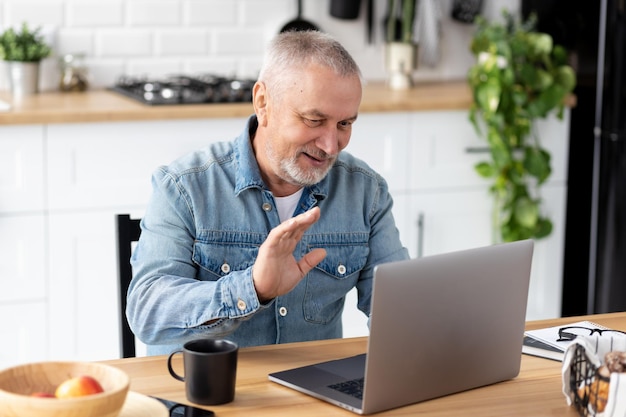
[63, 389]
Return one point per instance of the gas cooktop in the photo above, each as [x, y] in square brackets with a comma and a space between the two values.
[182, 89]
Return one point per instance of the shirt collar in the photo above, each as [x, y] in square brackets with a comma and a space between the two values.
[248, 174]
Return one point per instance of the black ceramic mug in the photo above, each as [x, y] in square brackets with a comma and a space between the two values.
[210, 367]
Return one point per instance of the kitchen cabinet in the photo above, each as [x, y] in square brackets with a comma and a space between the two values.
[21, 168]
[23, 274]
[57, 215]
[24, 287]
[23, 332]
[94, 165]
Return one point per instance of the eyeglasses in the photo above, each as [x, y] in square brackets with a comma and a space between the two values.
[567, 334]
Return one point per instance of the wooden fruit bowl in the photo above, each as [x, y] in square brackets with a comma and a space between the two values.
[19, 382]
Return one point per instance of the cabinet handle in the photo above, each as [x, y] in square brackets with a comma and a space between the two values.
[420, 234]
[477, 149]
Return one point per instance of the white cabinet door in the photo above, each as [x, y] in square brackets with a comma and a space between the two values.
[23, 276]
[382, 141]
[21, 168]
[441, 156]
[98, 165]
[23, 332]
[450, 221]
[24, 289]
[84, 310]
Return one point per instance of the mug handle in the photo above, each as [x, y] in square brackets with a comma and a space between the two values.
[169, 366]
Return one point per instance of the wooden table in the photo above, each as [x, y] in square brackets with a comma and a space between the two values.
[535, 392]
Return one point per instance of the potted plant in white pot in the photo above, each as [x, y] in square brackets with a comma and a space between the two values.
[23, 51]
[400, 47]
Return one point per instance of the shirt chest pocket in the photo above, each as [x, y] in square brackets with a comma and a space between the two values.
[219, 253]
[343, 260]
[330, 281]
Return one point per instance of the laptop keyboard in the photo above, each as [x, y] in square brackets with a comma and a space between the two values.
[353, 387]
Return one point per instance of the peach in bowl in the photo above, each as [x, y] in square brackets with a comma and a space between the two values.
[63, 389]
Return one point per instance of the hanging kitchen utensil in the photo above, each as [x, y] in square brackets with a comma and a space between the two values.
[466, 10]
[370, 21]
[392, 24]
[345, 9]
[428, 28]
[298, 24]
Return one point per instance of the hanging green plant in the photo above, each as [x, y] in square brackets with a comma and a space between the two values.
[519, 76]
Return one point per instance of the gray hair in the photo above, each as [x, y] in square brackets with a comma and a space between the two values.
[294, 50]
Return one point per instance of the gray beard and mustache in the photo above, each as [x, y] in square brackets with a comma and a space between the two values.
[291, 173]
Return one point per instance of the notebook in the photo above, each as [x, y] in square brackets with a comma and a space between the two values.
[545, 342]
[439, 325]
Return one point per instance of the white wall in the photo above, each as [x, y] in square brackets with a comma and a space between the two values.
[227, 37]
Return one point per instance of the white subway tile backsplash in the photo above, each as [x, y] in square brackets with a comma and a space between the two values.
[226, 37]
[35, 13]
[182, 42]
[249, 67]
[70, 41]
[95, 13]
[124, 42]
[104, 73]
[216, 65]
[238, 41]
[154, 67]
[210, 13]
[49, 74]
[154, 12]
[255, 11]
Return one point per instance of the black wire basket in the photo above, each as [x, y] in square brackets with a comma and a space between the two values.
[589, 389]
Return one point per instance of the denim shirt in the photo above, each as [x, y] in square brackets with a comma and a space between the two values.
[209, 213]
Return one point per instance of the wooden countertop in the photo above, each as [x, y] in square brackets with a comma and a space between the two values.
[108, 106]
[535, 392]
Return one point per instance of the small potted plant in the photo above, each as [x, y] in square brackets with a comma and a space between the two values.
[400, 47]
[23, 51]
[519, 77]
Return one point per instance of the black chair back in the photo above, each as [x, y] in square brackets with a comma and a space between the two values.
[128, 231]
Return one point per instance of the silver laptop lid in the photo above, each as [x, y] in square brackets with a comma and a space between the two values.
[446, 323]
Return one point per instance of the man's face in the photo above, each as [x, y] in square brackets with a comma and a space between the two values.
[305, 129]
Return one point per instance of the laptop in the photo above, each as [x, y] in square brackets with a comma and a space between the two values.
[439, 325]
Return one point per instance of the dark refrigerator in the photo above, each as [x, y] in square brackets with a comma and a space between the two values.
[594, 264]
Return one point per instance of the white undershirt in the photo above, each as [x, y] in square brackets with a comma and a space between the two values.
[287, 205]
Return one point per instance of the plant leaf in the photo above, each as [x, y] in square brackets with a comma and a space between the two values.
[485, 169]
[526, 212]
[565, 77]
[543, 228]
[537, 163]
[488, 95]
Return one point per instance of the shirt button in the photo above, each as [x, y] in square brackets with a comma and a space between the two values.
[341, 269]
[282, 311]
[225, 268]
[241, 305]
[267, 207]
